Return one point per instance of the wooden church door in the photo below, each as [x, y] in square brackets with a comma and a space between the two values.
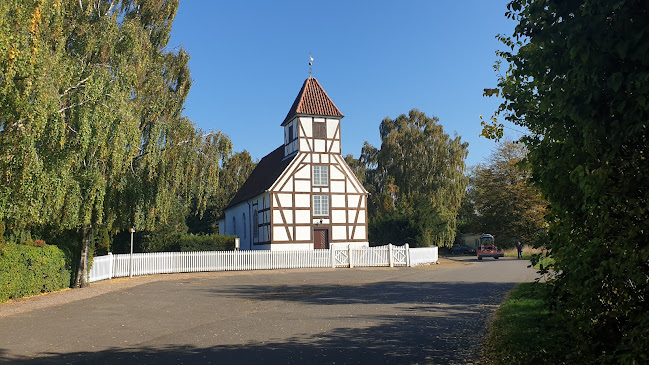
[320, 238]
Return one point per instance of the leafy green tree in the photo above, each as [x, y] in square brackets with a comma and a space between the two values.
[578, 81]
[506, 204]
[357, 166]
[416, 180]
[91, 132]
[236, 169]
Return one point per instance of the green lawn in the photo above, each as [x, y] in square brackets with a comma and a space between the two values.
[524, 331]
[527, 255]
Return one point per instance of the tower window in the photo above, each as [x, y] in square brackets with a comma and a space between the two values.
[319, 130]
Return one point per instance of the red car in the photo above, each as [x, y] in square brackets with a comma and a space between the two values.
[488, 248]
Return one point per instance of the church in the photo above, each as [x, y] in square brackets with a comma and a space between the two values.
[302, 195]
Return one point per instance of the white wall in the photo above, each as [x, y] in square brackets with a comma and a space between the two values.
[238, 211]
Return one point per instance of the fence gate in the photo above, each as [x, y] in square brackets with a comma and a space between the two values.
[399, 257]
[341, 258]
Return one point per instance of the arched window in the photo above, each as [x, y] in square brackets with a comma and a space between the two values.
[244, 225]
[255, 224]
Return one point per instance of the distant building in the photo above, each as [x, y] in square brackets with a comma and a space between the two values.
[303, 195]
[468, 239]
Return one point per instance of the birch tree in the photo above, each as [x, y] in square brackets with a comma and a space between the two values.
[91, 132]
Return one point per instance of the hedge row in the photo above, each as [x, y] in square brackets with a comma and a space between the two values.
[26, 270]
[208, 242]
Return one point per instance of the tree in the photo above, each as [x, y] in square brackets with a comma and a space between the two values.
[416, 181]
[235, 172]
[505, 202]
[91, 133]
[357, 167]
[577, 79]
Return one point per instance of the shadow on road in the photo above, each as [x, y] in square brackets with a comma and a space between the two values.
[437, 323]
[392, 292]
[396, 340]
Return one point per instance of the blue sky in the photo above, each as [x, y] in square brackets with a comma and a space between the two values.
[373, 58]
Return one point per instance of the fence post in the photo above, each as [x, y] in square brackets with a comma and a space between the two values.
[349, 253]
[333, 256]
[407, 255]
[390, 255]
[110, 265]
[130, 267]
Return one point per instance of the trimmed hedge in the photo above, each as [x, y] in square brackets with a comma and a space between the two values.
[208, 242]
[26, 270]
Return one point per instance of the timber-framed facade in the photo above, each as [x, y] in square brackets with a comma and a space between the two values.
[303, 195]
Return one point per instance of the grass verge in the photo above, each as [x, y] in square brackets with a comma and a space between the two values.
[527, 255]
[524, 331]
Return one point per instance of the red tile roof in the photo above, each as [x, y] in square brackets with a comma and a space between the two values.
[312, 100]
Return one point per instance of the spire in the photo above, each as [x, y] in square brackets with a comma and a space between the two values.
[312, 100]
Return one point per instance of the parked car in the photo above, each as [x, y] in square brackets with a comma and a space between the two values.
[462, 250]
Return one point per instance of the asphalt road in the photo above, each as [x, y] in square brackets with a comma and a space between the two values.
[429, 314]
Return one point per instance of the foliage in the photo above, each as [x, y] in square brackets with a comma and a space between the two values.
[91, 133]
[185, 242]
[357, 166]
[525, 331]
[236, 169]
[27, 270]
[417, 176]
[503, 199]
[392, 227]
[578, 80]
[208, 242]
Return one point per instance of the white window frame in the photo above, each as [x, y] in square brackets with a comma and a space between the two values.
[320, 205]
[320, 173]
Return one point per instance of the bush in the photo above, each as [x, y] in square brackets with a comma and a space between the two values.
[208, 242]
[181, 242]
[26, 270]
[397, 229]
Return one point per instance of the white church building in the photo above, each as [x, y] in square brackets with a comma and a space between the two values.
[303, 195]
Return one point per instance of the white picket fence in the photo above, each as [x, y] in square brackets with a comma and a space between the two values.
[121, 265]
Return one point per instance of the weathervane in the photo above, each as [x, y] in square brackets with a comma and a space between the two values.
[310, 64]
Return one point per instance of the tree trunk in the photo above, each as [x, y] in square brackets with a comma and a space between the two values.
[82, 274]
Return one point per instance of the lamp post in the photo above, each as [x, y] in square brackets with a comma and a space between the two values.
[130, 269]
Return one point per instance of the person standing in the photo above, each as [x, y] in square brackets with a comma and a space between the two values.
[519, 248]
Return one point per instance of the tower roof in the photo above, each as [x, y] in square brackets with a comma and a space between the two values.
[312, 100]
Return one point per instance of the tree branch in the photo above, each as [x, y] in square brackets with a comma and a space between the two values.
[73, 106]
[75, 86]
